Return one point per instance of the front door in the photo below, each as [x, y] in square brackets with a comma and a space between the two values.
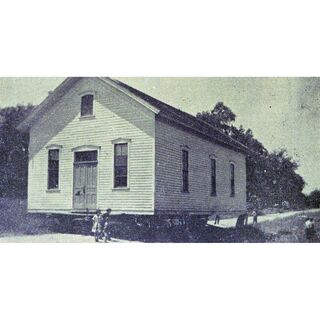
[85, 180]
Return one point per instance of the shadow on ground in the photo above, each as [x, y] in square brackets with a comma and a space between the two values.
[39, 225]
[205, 234]
[15, 222]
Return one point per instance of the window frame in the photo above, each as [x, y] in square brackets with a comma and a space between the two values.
[120, 141]
[185, 187]
[232, 171]
[49, 149]
[82, 96]
[213, 177]
[77, 152]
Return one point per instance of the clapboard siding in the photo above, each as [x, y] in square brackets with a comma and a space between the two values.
[168, 182]
[116, 116]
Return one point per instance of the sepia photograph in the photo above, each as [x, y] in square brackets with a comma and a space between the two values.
[159, 160]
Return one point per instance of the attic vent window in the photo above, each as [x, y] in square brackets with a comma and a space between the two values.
[87, 105]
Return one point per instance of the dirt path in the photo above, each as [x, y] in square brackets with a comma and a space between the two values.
[230, 223]
[52, 238]
[281, 227]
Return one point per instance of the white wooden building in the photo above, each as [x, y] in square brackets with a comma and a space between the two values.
[98, 143]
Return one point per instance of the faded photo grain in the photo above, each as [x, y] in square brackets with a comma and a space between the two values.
[189, 160]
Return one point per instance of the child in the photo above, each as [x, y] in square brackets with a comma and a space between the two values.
[97, 225]
[106, 227]
[255, 216]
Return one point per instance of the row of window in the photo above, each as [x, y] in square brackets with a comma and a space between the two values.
[121, 168]
[185, 175]
[121, 161]
[120, 165]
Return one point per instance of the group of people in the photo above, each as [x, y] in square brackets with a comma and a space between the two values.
[101, 227]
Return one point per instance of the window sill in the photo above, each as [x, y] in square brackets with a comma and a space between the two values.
[121, 189]
[90, 117]
[53, 190]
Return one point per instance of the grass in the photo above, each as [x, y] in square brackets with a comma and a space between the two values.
[291, 229]
[15, 220]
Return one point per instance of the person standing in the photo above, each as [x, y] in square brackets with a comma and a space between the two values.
[310, 229]
[255, 216]
[97, 225]
[106, 226]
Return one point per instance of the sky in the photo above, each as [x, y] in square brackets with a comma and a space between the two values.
[282, 112]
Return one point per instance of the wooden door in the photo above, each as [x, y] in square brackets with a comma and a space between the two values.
[85, 183]
[91, 186]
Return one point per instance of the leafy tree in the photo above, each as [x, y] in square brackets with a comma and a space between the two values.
[13, 152]
[313, 199]
[271, 177]
[220, 116]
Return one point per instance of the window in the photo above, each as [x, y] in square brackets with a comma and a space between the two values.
[232, 194]
[121, 165]
[87, 105]
[53, 169]
[85, 156]
[185, 171]
[213, 177]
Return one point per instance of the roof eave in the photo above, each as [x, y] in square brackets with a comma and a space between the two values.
[58, 92]
[238, 148]
[114, 84]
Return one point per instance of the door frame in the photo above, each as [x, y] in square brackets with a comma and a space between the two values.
[84, 148]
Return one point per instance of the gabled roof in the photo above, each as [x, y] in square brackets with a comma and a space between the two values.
[162, 110]
[186, 120]
[62, 89]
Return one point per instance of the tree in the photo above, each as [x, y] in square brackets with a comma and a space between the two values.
[271, 177]
[13, 152]
[313, 199]
[220, 117]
